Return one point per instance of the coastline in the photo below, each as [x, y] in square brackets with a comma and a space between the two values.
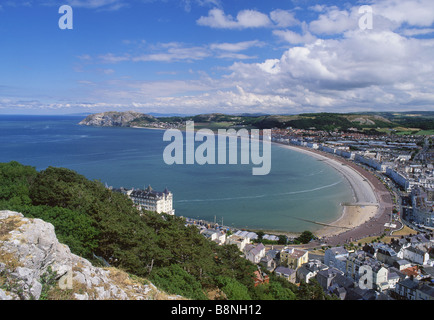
[366, 205]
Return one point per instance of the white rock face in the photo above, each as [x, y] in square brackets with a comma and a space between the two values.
[31, 249]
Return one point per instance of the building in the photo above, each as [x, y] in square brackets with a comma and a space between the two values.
[309, 270]
[260, 278]
[415, 255]
[423, 207]
[287, 273]
[271, 260]
[334, 281]
[412, 289]
[214, 235]
[374, 276]
[425, 292]
[246, 234]
[255, 253]
[293, 257]
[336, 257]
[151, 200]
[239, 241]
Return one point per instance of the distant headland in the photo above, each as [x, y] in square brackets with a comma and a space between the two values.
[373, 123]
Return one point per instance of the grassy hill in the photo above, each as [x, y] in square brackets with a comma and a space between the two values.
[369, 122]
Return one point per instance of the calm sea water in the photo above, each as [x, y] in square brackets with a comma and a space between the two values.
[298, 186]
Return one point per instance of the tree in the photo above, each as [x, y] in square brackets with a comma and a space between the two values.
[15, 180]
[233, 289]
[305, 237]
[311, 291]
[174, 279]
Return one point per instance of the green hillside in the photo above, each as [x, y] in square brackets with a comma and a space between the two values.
[369, 122]
[94, 221]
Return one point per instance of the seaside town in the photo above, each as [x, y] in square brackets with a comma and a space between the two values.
[388, 257]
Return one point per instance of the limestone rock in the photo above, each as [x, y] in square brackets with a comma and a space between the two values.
[31, 252]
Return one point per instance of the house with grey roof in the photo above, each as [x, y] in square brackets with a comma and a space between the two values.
[214, 235]
[246, 234]
[255, 253]
[309, 270]
[386, 254]
[271, 259]
[287, 273]
[270, 237]
[333, 280]
[358, 293]
[428, 272]
[406, 289]
[415, 255]
[425, 292]
[336, 257]
[402, 264]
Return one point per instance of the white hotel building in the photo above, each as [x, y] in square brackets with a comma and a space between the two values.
[151, 200]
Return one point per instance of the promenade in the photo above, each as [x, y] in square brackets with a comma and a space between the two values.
[371, 209]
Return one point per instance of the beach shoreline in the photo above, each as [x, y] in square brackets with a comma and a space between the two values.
[367, 205]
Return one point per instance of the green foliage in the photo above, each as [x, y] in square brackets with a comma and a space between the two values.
[75, 229]
[233, 289]
[14, 183]
[93, 220]
[305, 237]
[174, 279]
[273, 291]
[48, 281]
[311, 291]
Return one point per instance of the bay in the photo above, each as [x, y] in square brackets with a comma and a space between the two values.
[297, 187]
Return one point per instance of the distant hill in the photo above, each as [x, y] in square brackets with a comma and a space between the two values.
[117, 119]
[372, 122]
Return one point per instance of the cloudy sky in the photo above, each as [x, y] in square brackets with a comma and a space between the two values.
[230, 56]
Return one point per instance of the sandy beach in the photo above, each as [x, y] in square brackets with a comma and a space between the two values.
[365, 215]
[367, 204]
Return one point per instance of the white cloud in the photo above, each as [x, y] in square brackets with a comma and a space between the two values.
[357, 71]
[293, 37]
[97, 4]
[252, 19]
[413, 12]
[236, 46]
[330, 64]
[363, 69]
[387, 15]
[335, 21]
[245, 19]
[175, 52]
[283, 18]
[230, 101]
[417, 32]
[234, 56]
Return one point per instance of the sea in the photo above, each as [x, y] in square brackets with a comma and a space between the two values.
[297, 190]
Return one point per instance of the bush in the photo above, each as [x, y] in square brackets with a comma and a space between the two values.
[233, 289]
[176, 280]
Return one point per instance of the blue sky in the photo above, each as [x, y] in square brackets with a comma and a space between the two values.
[201, 56]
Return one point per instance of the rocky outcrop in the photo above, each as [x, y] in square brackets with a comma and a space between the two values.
[34, 265]
[113, 119]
